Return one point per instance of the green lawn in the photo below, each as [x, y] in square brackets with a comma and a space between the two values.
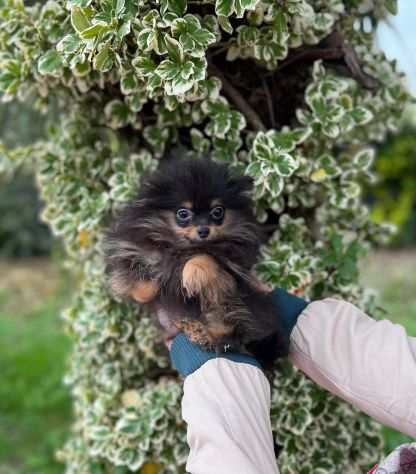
[394, 276]
[35, 406]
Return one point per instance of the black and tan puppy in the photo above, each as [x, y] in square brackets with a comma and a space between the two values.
[187, 245]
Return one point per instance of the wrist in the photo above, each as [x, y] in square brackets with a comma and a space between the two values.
[187, 357]
[288, 308]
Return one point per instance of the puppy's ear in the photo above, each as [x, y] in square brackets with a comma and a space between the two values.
[240, 185]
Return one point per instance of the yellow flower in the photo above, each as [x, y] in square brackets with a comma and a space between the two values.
[131, 398]
[149, 468]
[318, 175]
[84, 238]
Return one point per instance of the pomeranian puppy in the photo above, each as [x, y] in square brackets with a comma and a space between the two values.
[187, 246]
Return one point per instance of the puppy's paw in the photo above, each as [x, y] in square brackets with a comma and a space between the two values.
[203, 277]
[211, 336]
[224, 327]
[199, 272]
[144, 291]
[196, 332]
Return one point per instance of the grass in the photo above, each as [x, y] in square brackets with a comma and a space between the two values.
[393, 275]
[35, 406]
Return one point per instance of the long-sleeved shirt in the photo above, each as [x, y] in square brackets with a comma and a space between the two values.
[369, 363]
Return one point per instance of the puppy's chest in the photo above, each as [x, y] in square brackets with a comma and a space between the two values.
[163, 261]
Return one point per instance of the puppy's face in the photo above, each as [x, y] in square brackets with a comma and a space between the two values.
[198, 202]
[186, 205]
[197, 223]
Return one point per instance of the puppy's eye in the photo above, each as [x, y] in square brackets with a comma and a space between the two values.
[217, 213]
[183, 215]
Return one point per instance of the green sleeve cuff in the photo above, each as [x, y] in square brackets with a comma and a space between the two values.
[288, 309]
[187, 357]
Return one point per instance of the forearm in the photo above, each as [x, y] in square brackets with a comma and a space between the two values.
[226, 406]
[371, 364]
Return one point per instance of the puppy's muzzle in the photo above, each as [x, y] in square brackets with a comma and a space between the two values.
[203, 231]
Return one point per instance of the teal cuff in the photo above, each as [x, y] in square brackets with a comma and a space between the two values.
[187, 357]
[288, 309]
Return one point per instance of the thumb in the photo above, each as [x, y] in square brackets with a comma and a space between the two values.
[169, 328]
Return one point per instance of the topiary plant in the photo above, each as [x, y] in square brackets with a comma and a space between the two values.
[292, 92]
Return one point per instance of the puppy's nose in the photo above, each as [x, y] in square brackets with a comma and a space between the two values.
[203, 232]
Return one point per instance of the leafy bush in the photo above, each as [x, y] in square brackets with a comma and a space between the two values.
[21, 233]
[20, 124]
[394, 195]
[291, 92]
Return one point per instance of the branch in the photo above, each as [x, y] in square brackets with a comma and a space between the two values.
[238, 100]
[269, 103]
[311, 54]
[333, 47]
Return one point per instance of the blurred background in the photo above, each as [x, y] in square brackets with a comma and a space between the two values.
[34, 405]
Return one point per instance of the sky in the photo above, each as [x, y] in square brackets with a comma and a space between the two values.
[398, 41]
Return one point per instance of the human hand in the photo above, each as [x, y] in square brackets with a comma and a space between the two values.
[169, 330]
[187, 356]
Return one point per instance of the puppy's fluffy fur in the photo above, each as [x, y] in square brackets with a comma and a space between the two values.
[187, 245]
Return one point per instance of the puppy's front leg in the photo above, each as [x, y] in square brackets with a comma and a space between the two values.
[144, 291]
[203, 277]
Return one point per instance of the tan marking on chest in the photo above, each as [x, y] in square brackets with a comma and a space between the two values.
[198, 273]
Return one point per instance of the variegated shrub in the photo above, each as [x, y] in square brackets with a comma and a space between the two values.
[294, 93]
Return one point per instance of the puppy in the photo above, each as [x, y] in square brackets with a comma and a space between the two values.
[187, 246]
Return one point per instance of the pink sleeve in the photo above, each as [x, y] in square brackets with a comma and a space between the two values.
[226, 406]
[369, 363]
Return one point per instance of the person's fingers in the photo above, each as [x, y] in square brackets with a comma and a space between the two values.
[258, 284]
[168, 341]
[168, 327]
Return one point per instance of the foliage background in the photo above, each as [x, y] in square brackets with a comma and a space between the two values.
[21, 232]
[394, 196]
[101, 145]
